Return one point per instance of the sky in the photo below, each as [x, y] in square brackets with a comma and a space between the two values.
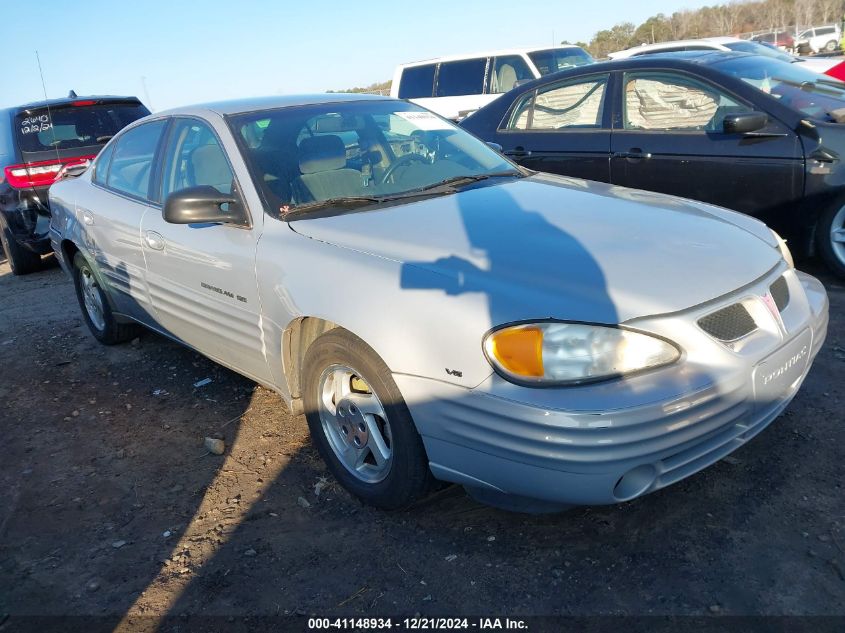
[172, 52]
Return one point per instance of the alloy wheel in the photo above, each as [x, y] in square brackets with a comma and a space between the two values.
[355, 423]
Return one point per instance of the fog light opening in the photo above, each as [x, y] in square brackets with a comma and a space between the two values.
[635, 482]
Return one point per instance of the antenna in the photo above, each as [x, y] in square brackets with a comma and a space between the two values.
[146, 93]
[47, 103]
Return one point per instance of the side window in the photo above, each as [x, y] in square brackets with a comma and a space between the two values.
[194, 157]
[825, 30]
[574, 104]
[132, 160]
[417, 82]
[665, 101]
[506, 71]
[101, 166]
[465, 77]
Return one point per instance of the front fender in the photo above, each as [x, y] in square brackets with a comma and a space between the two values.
[406, 315]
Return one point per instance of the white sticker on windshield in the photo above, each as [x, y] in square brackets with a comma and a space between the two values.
[424, 120]
[35, 124]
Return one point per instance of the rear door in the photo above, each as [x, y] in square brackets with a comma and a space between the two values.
[111, 212]
[562, 127]
[201, 277]
[668, 137]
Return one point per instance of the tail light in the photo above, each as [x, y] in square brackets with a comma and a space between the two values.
[837, 72]
[41, 173]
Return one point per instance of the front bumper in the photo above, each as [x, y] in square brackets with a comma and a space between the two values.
[614, 441]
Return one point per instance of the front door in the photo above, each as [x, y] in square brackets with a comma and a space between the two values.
[563, 128]
[669, 138]
[201, 277]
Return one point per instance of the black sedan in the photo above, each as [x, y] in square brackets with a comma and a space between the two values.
[745, 132]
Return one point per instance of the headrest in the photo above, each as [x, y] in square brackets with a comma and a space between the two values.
[321, 153]
[210, 166]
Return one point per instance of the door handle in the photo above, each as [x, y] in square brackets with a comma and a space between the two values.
[154, 240]
[635, 153]
[518, 152]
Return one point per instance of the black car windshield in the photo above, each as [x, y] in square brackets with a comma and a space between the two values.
[367, 150]
[554, 59]
[816, 96]
[760, 49]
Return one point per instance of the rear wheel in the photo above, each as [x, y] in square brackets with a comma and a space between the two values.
[360, 423]
[830, 236]
[96, 311]
[831, 46]
[21, 261]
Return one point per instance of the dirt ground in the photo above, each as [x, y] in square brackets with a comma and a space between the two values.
[111, 506]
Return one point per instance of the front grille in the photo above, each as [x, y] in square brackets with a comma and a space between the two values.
[780, 293]
[728, 324]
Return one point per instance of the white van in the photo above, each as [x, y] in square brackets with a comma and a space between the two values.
[456, 85]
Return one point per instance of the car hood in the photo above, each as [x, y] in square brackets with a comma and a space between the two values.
[554, 247]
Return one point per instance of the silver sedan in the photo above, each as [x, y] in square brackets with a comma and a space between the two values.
[437, 312]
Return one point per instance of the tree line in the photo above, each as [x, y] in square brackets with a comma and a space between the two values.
[732, 18]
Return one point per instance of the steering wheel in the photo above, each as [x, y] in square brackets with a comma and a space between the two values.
[402, 161]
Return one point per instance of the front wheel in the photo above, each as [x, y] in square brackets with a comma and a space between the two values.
[96, 311]
[830, 239]
[360, 424]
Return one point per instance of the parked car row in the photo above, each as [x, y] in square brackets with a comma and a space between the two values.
[441, 311]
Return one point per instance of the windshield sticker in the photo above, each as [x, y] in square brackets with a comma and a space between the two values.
[35, 124]
[424, 120]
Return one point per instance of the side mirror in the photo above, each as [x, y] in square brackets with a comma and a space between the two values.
[744, 123]
[494, 146]
[201, 205]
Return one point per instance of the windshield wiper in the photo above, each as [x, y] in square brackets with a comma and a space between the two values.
[343, 202]
[459, 181]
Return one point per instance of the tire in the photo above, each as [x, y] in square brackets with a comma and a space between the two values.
[831, 46]
[96, 310]
[339, 363]
[830, 227]
[21, 261]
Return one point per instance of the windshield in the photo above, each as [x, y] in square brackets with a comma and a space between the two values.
[361, 150]
[555, 59]
[817, 96]
[760, 49]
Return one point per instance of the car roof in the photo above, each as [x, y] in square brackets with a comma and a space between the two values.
[240, 106]
[491, 53]
[648, 48]
[675, 59]
[66, 100]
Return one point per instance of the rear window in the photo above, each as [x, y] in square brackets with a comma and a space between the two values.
[417, 82]
[555, 59]
[67, 127]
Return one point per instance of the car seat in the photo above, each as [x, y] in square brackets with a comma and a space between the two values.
[324, 174]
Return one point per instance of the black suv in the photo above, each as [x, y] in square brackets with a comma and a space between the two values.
[37, 142]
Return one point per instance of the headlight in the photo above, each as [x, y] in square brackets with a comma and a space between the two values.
[549, 353]
[784, 249]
